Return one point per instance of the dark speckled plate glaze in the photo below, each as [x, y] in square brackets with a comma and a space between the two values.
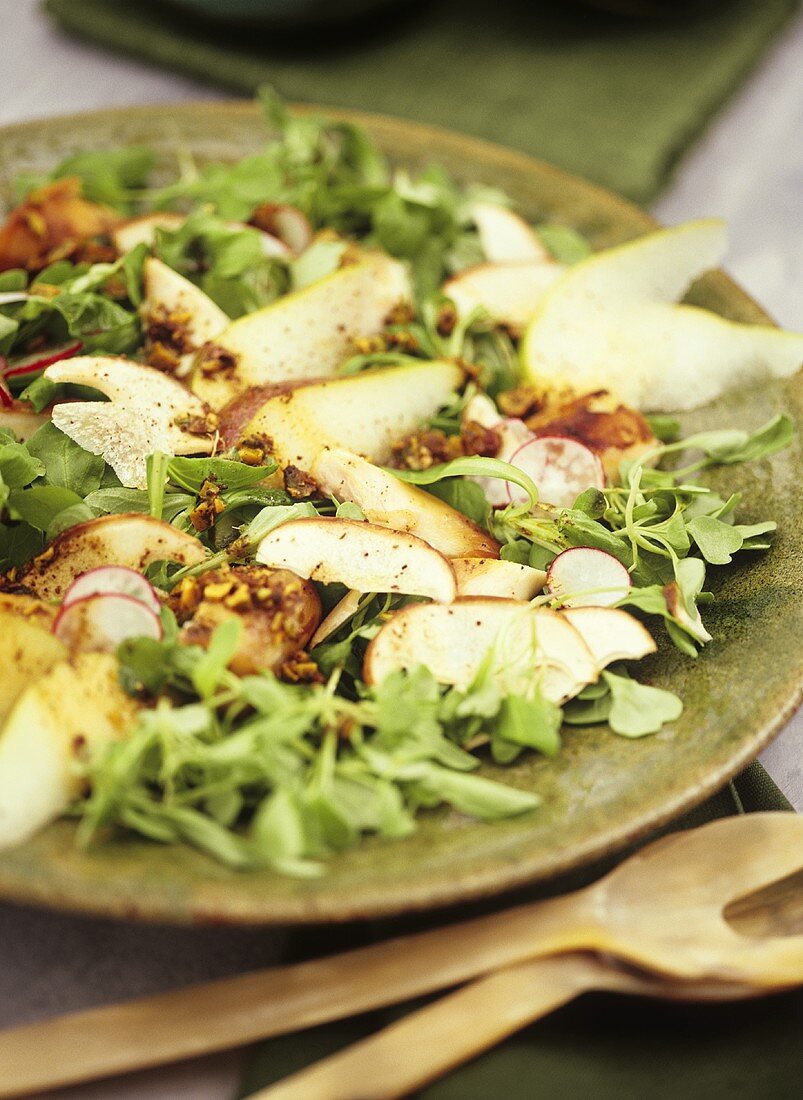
[603, 792]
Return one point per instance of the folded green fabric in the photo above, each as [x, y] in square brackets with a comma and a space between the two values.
[603, 1046]
[611, 98]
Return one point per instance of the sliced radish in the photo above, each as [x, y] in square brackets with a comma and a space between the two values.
[30, 364]
[561, 467]
[6, 396]
[513, 435]
[113, 580]
[610, 633]
[100, 623]
[596, 577]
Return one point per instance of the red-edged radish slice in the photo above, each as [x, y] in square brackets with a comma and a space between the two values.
[610, 633]
[561, 467]
[6, 396]
[596, 576]
[98, 624]
[113, 580]
[30, 364]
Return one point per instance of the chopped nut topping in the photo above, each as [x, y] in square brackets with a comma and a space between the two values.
[369, 345]
[299, 484]
[447, 319]
[401, 314]
[198, 425]
[521, 401]
[253, 450]
[478, 440]
[213, 359]
[301, 669]
[425, 449]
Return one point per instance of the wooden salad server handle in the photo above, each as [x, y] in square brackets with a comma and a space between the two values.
[426, 1044]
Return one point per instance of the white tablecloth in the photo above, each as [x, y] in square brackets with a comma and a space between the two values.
[748, 168]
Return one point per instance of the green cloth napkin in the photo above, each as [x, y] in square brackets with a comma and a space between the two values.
[602, 1047]
[611, 98]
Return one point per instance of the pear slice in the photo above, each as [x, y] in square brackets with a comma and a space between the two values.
[306, 334]
[343, 610]
[147, 411]
[360, 555]
[130, 539]
[142, 229]
[169, 295]
[609, 324]
[498, 578]
[510, 292]
[389, 502]
[454, 641]
[60, 719]
[610, 633]
[27, 646]
[364, 413]
[505, 237]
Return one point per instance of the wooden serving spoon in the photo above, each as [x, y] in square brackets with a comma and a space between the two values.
[424, 1045]
[660, 910]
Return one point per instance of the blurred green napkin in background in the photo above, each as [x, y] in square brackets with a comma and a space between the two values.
[608, 97]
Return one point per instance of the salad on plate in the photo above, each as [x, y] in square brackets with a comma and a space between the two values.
[323, 482]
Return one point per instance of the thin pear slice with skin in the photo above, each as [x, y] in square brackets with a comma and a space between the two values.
[505, 237]
[169, 295]
[497, 578]
[363, 556]
[147, 411]
[389, 502]
[365, 413]
[305, 334]
[72, 710]
[509, 292]
[611, 634]
[340, 614]
[609, 323]
[130, 539]
[454, 641]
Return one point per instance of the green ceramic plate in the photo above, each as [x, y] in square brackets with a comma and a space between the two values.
[603, 792]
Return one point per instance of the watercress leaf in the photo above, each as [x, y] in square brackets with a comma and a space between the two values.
[66, 464]
[639, 709]
[40, 504]
[532, 721]
[209, 669]
[471, 466]
[18, 467]
[68, 517]
[716, 541]
[473, 794]
[465, 496]
[665, 428]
